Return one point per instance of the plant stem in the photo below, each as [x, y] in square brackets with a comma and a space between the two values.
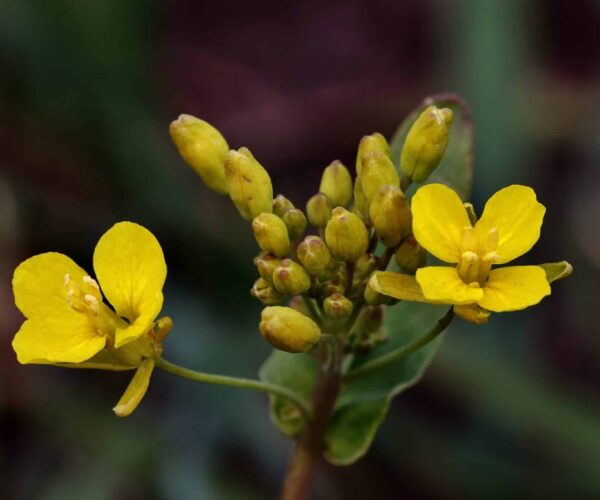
[240, 383]
[403, 351]
[385, 258]
[310, 444]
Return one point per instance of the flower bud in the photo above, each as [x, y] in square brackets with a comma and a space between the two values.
[346, 235]
[472, 313]
[377, 171]
[332, 286]
[288, 329]
[369, 321]
[365, 265]
[337, 306]
[291, 278]
[336, 184]
[249, 184]
[361, 206]
[266, 264]
[281, 205]
[374, 142]
[318, 210]
[203, 148]
[390, 215]
[410, 256]
[271, 234]
[314, 255]
[296, 223]
[263, 291]
[426, 143]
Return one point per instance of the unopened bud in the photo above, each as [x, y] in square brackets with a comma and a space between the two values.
[472, 313]
[266, 264]
[332, 286]
[296, 223]
[318, 210]
[369, 321]
[336, 184]
[361, 206]
[374, 142]
[426, 143]
[291, 278]
[281, 205]
[288, 329]
[365, 265]
[337, 306]
[314, 255]
[203, 148]
[390, 215]
[378, 170]
[263, 291]
[249, 184]
[271, 234]
[346, 235]
[410, 256]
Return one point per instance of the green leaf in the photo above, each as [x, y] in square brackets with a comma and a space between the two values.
[456, 168]
[557, 270]
[297, 372]
[363, 403]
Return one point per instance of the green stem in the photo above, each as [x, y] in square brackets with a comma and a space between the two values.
[403, 351]
[240, 383]
[313, 309]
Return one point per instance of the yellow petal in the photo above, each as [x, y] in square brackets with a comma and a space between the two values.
[67, 338]
[517, 216]
[443, 285]
[514, 288]
[135, 390]
[39, 284]
[131, 270]
[438, 221]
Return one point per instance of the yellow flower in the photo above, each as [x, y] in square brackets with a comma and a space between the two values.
[509, 227]
[69, 324]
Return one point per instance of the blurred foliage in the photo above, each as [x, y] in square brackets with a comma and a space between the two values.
[87, 91]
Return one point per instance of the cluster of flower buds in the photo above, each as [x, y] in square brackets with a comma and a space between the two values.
[320, 260]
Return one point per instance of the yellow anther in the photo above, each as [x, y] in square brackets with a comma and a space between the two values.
[468, 267]
[88, 280]
[468, 242]
[492, 240]
[92, 303]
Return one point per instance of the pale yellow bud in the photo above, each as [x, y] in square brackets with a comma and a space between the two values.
[369, 143]
[346, 235]
[291, 278]
[271, 234]
[249, 184]
[314, 255]
[288, 329]
[336, 184]
[390, 215]
[318, 210]
[378, 170]
[203, 148]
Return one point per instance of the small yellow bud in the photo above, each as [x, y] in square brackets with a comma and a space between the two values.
[390, 215]
[266, 264]
[314, 255]
[377, 171]
[291, 278]
[361, 206]
[334, 285]
[203, 148]
[337, 306]
[336, 184]
[374, 142]
[249, 184]
[410, 256]
[263, 291]
[365, 265]
[296, 223]
[271, 234]
[281, 205]
[288, 329]
[472, 313]
[346, 235]
[318, 210]
[426, 143]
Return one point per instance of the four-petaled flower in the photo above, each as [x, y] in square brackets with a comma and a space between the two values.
[509, 227]
[68, 323]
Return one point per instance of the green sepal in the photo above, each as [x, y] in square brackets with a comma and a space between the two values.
[557, 270]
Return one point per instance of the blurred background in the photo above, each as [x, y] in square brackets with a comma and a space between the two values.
[509, 410]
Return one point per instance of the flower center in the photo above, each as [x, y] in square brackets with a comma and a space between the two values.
[85, 297]
[478, 256]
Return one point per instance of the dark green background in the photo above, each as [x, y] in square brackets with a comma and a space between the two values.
[87, 90]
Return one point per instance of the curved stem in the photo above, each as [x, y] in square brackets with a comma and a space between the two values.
[240, 383]
[403, 351]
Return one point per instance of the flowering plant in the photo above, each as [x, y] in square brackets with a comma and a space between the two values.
[353, 309]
